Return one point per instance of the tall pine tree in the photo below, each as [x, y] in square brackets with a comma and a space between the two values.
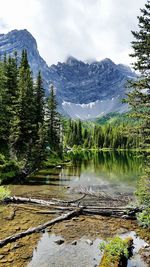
[139, 97]
[53, 122]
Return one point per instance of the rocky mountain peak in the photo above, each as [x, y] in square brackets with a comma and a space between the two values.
[89, 86]
[72, 61]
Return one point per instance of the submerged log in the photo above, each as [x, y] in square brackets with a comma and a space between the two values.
[30, 231]
[37, 210]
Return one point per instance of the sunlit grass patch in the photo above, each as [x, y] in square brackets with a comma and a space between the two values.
[4, 192]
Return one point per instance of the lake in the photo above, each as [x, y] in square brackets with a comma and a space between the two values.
[115, 173]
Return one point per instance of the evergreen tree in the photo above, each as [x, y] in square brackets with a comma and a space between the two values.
[39, 101]
[27, 108]
[3, 108]
[53, 122]
[139, 98]
[79, 132]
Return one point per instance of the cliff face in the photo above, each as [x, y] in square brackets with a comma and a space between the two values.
[17, 40]
[80, 82]
[84, 90]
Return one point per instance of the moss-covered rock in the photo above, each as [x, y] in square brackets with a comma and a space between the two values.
[116, 252]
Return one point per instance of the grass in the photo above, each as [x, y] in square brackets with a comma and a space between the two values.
[4, 192]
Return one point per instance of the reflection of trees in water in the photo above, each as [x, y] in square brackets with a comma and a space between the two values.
[124, 163]
[120, 163]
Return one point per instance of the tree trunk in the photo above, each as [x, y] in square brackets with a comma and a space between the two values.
[30, 231]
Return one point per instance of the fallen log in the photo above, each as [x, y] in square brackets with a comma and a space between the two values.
[123, 212]
[15, 199]
[69, 201]
[36, 210]
[30, 231]
[107, 213]
[41, 202]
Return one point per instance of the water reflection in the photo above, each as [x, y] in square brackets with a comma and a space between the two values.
[117, 171]
[112, 164]
[48, 253]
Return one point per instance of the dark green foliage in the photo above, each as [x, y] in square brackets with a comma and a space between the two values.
[115, 119]
[26, 105]
[8, 169]
[24, 133]
[86, 135]
[53, 123]
[39, 101]
[139, 97]
[139, 100]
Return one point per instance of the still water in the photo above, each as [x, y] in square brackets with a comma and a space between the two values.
[115, 172]
[112, 172]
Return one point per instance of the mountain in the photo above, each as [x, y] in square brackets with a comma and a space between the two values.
[85, 90]
[17, 40]
[80, 82]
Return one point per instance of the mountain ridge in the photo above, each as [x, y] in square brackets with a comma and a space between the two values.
[76, 81]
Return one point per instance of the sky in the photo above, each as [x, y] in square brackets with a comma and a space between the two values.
[84, 29]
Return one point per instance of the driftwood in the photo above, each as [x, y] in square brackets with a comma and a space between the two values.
[60, 205]
[30, 231]
[74, 207]
[15, 199]
[35, 210]
[69, 201]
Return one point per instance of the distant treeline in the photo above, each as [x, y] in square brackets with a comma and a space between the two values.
[90, 135]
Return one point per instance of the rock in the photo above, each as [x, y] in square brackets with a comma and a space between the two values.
[74, 243]
[3, 261]
[16, 228]
[10, 260]
[74, 79]
[59, 241]
[82, 219]
[6, 250]
[145, 254]
[75, 219]
[89, 242]
[121, 231]
[26, 256]
[17, 245]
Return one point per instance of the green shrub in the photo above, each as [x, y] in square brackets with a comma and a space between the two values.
[143, 193]
[114, 250]
[144, 218]
[2, 160]
[4, 192]
[9, 169]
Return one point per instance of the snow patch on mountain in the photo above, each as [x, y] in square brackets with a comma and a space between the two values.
[95, 109]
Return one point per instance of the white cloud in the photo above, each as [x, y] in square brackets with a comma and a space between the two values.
[82, 28]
